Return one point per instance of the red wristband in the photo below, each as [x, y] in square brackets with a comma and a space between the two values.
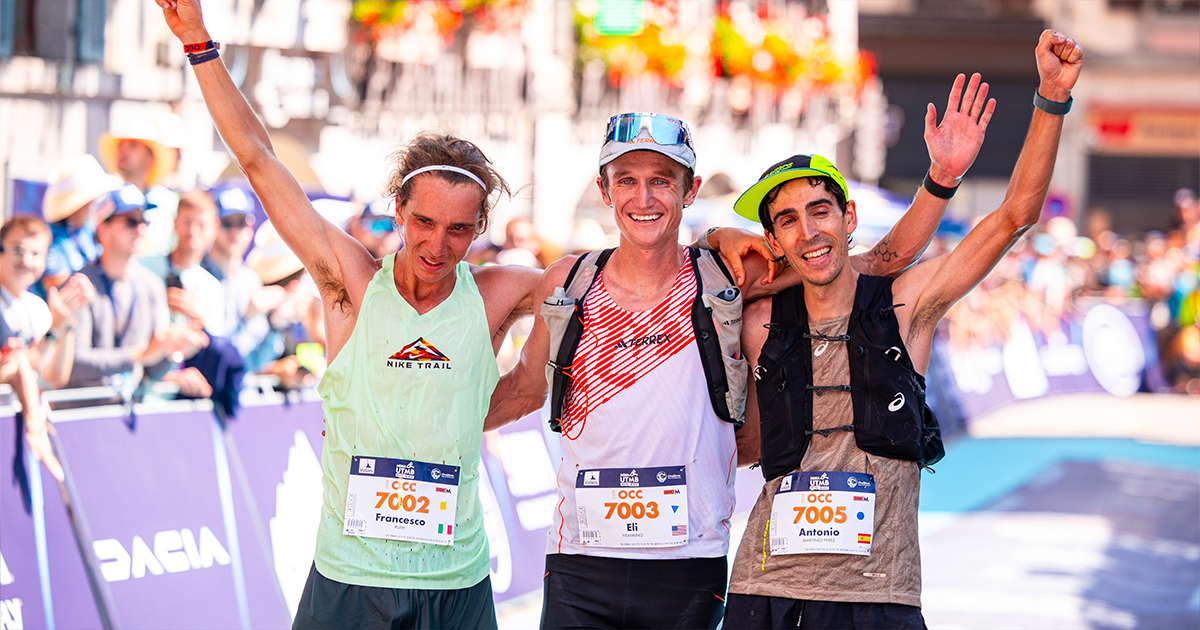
[195, 48]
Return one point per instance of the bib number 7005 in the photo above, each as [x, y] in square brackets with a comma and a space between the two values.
[814, 514]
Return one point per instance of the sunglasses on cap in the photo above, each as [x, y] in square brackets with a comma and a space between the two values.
[663, 129]
[235, 222]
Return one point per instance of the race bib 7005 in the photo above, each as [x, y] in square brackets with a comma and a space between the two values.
[823, 512]
[400, 499]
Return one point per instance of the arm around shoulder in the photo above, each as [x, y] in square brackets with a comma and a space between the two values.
[523, 390]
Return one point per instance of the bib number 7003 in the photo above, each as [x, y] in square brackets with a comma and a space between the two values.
[632, 510]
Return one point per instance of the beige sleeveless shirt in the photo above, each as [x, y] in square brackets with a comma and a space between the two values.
[892, 573]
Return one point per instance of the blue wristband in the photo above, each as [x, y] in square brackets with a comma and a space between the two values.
[1052, 107]
[199, 58]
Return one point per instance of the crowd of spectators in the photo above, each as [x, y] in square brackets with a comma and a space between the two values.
[124, 283]
[1056, 272]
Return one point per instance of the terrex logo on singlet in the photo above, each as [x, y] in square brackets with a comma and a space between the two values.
[419, 354]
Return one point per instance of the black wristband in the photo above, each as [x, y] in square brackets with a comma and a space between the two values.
[199, 58]
[1052, 107]
[936, 189]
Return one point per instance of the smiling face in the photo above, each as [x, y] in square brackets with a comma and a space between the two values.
[23, 259]
[811, 230]
[648, 191]
[439, 223]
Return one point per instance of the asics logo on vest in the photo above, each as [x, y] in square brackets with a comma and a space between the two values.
[419, 355]
[821, 349]
[643, 341]
[897, 402]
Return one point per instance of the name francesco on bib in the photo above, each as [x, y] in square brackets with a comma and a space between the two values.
[632, 507]
[823, 512]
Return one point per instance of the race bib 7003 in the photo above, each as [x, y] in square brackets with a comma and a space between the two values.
[632, 507]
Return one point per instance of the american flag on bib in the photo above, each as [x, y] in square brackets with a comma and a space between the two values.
[620, 346]
[679, 530]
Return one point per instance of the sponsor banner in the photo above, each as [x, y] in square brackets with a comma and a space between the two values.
[151, 501]
[1102, 348]
[70, 596]
[20, 588]
[274, 457]
[518, 492]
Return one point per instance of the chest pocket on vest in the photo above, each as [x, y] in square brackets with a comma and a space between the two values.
[890, 415]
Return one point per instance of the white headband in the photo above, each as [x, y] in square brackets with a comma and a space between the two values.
[443, 167]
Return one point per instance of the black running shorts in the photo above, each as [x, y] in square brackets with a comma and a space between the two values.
[756, 611]
[329, 604]
[590, 592]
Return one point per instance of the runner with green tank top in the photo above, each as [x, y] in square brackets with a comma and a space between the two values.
[438, 373]
[401, 541]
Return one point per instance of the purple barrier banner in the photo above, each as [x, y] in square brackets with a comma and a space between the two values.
[151, 499]
[20, 589]
[275, 460]
[519, 494]
[1102, 348]
[70, 596]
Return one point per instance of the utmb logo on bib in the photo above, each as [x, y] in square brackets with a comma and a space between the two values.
[419, 355]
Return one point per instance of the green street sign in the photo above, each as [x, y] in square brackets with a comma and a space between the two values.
[619, 17]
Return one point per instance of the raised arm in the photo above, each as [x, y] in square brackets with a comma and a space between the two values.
[952, 145]
[338, 263]
[934, 286]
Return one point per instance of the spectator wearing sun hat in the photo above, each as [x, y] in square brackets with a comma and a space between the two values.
[76, 196]
[144, 151]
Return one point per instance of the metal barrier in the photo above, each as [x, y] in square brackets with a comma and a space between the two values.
[170, 518]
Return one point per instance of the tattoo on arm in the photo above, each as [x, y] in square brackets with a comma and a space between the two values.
[883, 252]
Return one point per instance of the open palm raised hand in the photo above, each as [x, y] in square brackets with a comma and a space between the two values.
[955, 142]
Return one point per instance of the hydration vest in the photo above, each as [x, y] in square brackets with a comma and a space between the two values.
[890, 418]
[716, 320]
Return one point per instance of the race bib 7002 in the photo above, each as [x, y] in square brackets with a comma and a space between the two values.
[400, 499]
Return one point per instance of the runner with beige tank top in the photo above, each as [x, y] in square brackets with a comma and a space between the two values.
[838, 415]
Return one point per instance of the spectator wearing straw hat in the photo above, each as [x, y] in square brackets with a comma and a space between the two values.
[145, 151]
[76, 195]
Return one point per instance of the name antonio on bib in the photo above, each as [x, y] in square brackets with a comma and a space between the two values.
[419, 355]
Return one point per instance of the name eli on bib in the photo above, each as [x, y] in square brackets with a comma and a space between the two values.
[400, 499]
[632, 507]
[823, 512]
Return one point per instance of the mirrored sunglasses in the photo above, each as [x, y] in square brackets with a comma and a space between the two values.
[663, 129]
[379, 226]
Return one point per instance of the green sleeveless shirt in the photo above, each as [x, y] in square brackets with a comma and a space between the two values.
[429, 411]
